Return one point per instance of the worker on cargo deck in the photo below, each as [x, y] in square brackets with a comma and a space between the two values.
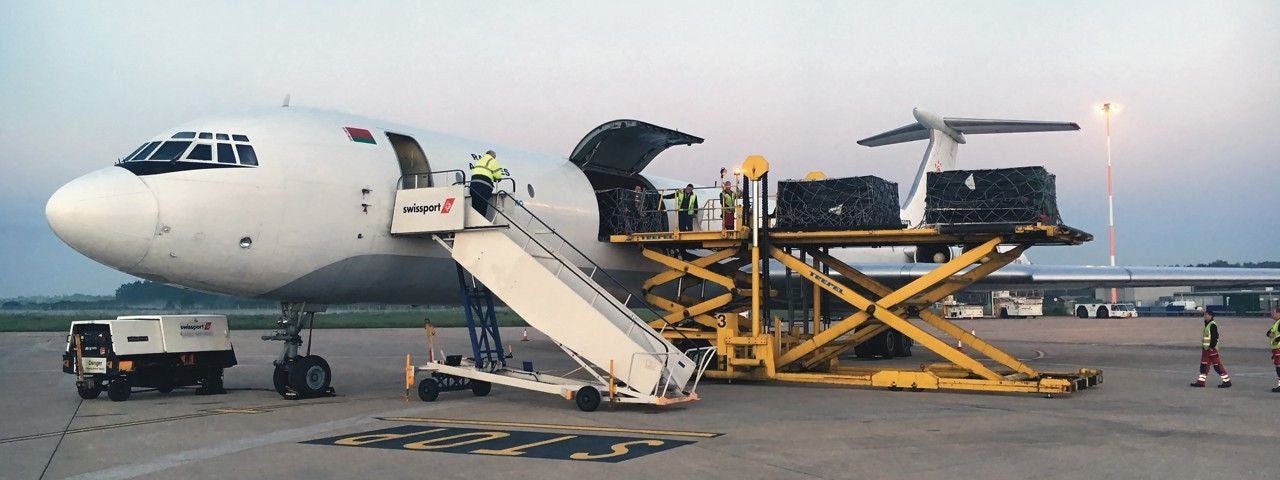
[484, 174]
[728, 202]
[1273, 334]
[686, 206]
[1209, 353]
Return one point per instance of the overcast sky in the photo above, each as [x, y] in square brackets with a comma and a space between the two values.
[1195, 146]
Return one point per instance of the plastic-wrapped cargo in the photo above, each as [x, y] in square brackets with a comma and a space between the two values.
[625, 211]
[852, 203]
[1002, 195]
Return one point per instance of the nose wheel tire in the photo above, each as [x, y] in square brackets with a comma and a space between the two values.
[280, 380]
[310, 376]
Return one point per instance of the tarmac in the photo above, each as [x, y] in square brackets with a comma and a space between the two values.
[1143, 422]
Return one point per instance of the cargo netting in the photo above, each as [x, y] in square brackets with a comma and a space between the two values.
[625, 211]
[1003, 195]
[852, 203]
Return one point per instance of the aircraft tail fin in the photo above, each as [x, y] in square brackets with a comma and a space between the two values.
[945, 135]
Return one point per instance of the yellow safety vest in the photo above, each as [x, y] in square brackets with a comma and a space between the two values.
[1208, 338]
[693, 202]
[487, 167]
[728, 200]
[1274, 333]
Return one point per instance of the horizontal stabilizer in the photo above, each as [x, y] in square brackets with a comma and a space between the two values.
[958, 127]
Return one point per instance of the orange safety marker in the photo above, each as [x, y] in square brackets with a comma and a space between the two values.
[524, 335]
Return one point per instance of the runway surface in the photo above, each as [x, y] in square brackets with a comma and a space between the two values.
[1144, 422]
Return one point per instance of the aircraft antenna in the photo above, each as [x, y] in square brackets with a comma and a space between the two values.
[286, 101]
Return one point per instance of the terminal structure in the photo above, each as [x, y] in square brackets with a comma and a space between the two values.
[752, 343]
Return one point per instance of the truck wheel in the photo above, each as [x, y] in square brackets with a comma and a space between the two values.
[903, 348]
[309, 375]
[89, 393]
[280, 380]
[1102, 312]
[428, 389]
[587, 398]
[887, 345]
[119, 390]
[480, 389]
[1004, 312]
[1082, 312]
[164, 383]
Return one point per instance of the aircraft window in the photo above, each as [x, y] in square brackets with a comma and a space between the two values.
[206, 135]
[239, 138]
[134, 152]
[185, 135]
[145, 151]
[225, 153]
[170, 151]
[222, 136]
[247, 157]
[202, 151]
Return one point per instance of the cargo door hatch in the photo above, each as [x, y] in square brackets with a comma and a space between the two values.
[625, 147]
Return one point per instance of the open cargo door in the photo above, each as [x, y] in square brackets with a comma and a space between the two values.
[625, 147]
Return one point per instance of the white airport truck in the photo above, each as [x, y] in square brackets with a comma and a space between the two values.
[1017, 303]
[1106, 310]
[954, 309]
[159, 352]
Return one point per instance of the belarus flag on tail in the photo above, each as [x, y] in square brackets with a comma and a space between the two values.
[359, 135]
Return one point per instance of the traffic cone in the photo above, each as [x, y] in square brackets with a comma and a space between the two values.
[959, 345]
[524, 336]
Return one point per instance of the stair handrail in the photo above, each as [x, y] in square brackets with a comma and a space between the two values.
[593, 285]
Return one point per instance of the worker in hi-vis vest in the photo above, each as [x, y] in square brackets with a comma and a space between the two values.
[1209, 353]
[686, 206]
[484, 174]
[728, 201]
[1273, 334]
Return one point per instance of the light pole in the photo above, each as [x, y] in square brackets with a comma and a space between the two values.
[1107, 109]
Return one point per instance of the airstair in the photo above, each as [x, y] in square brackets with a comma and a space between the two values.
[528, 265]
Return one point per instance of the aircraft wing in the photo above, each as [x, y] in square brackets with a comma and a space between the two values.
[1019, 276]
[971, 126]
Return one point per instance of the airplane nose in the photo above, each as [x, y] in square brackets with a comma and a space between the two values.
[108, 215]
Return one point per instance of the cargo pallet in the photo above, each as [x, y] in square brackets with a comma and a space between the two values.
[750, 347]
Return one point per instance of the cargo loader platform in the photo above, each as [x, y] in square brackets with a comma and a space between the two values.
[717, 287]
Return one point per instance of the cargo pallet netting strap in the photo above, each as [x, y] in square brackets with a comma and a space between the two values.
[1004, 195]
[624, 211]
[852, 203]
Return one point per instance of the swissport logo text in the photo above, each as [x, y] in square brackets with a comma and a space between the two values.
[441, 208]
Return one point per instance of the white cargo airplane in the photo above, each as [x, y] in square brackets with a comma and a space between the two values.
[295, 205]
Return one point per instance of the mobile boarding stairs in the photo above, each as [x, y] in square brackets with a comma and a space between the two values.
[526, 263]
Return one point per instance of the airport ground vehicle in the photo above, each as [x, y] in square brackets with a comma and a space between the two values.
[160, 352]
[1017, 303]
[953, 309]
[1106, 310]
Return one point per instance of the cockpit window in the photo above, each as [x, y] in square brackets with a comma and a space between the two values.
[239, 138]
[247, 157]
[131, 154]
[185, 135]
[170, 151]
[226, 154]
[202, 151]
[146, 150]
[222, 136]
[206, 135]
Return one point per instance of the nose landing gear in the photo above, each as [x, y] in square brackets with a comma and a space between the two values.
[299, 376]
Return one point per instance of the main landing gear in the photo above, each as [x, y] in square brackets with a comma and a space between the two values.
[299, 376]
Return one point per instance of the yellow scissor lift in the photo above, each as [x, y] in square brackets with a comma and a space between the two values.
[751, 349]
